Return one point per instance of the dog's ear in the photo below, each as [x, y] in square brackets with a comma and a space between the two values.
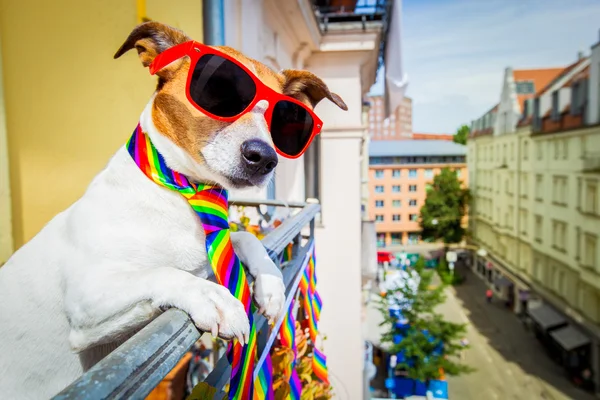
[150, 39]
[307, 87]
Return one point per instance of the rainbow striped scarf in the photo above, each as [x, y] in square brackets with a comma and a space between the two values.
[211, 206]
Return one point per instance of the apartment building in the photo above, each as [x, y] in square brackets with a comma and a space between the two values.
[534, 166]
[397, 126]
[400, 174]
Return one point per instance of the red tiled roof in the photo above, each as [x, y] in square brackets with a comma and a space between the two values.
[540, 78]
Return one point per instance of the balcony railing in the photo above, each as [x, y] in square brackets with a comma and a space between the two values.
[591, 161]
[136, 367]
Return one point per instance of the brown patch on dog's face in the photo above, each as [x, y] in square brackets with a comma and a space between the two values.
[216, 146]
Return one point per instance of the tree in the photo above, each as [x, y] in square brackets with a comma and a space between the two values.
[425, 343]
[444, 209]
[462, 134]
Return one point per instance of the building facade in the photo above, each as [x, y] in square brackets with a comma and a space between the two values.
[398, 126]
[400, 174]
[534, 165]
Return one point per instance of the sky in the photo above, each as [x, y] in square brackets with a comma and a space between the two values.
[455, 51]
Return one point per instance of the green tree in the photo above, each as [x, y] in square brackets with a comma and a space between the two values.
[429, 344]
[462, 134]
[444, 209]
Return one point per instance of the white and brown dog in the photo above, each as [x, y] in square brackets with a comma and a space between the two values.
[127, 249]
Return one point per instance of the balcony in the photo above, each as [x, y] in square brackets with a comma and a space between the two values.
[135, 368]
[591, 161]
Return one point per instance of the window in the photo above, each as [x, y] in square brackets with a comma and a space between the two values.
[458, 172]
[396, 217]
[379, 173]
[589, 254]
[396, 173]
[591, 198]
[396, 189]
[538, 228]
[555, 106]
[559, 232]
[525, 150]
[396, 238]
[559, 190]
[379, 189]
[378, 203]
[539, 187]
[565, 149]
[412, 173]
[428, 173]
[414, 217]
[412, 188]
[381, 240]
[412, 202]
[524, 184]
[396, 203]
[556, 149]
[379, 218]
[523, 215]
[512, 151]
[525, 87]
[540, 150]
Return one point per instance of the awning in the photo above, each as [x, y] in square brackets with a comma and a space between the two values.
[546, 317]
[569, 337]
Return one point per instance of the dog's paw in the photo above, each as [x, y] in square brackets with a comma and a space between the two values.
[269, 294]
[217, 311]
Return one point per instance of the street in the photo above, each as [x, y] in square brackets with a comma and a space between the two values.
[510, 362]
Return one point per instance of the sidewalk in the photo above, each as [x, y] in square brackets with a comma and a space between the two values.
[510, 362]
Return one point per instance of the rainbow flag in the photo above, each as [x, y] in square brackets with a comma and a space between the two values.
[295, 387]
[319, 365]
[287, 337]
[263, 386]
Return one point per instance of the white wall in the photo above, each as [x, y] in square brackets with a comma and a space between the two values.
[593, 114]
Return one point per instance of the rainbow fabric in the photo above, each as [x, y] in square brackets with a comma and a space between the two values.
[319, 365]
[310, 297]
[295, 387]
[263, 386]
[211, 206]
[287, 337]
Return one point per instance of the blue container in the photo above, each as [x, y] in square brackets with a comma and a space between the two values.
[439, 389]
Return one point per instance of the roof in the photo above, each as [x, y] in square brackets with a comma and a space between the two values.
[540, 78]
[399, 148]
[432, 136]
[564, 72]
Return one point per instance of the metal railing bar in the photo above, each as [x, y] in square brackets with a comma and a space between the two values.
[136, 367]
[219, 376]
[295, 275]
[139, 364]
[256, 203]
[285, 233]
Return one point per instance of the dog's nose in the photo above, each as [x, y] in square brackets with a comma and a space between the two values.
[259, 156]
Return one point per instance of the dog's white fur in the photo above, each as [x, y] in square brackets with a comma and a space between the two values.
[110, 263]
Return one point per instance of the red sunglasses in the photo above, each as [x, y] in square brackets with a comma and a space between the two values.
[224, 89]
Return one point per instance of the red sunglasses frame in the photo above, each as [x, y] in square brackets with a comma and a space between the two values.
[195, 51]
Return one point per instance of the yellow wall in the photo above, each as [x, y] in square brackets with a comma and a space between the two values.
[68, 104]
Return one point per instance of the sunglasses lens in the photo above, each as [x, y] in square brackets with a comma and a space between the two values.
[221, 87]
[291, 127]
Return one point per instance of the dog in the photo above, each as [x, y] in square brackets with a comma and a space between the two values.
[128, 248]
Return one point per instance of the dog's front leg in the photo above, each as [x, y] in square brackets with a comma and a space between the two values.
[269, 290]
[106, 304]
